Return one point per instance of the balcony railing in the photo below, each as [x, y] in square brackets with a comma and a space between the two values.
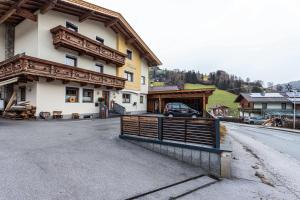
[63, 37]
[22, 65]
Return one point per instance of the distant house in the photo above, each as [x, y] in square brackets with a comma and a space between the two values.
[219, 110]
[264, 104]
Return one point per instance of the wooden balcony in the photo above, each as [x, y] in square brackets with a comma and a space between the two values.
[63, 37]
[26, 66]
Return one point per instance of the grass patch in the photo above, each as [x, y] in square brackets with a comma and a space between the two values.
[158, 84]
[219, 97]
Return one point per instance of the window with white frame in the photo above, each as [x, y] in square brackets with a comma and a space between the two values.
[141, 99]
[87, 96]
[100, 67]
[129, 76]
[71, 60]
[129, 54]
[143, 80]
[100, 39]
[72, 95]
[71, 26]
[126, 98]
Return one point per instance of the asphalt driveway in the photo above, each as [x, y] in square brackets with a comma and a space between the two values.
[79, 160]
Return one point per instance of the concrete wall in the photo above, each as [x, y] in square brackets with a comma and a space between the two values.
[26, 38]
[88, 28]
[216, 164]
[2, 42]
[51, 97]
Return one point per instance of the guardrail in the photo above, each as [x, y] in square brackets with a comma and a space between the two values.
[186, 130]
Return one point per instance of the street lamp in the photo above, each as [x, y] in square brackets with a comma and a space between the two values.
[294, 91]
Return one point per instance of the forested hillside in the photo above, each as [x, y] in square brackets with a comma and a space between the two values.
[221, 79]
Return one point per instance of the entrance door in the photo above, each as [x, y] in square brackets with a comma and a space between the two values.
[106, 98]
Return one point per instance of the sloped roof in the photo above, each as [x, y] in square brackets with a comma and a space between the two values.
[82, 9]
[261, 99]
[163, 88]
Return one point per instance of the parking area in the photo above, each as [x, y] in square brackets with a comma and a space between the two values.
[79, 160]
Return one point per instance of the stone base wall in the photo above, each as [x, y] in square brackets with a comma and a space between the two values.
[216, 164]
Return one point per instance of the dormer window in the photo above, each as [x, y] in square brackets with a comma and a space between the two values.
[99, 39]
[71, 26]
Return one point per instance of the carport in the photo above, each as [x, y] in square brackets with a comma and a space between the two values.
[196, 99]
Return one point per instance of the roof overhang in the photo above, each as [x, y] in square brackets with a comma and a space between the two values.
[15, 11]
[181, 93]
[9, 81]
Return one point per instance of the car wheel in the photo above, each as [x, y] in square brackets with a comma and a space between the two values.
[170, 115]
[194, 116]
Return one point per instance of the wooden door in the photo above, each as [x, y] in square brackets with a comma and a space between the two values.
[106, 98]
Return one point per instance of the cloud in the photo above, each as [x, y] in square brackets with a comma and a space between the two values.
[259, 39]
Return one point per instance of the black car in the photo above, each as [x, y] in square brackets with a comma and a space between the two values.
[180, 110]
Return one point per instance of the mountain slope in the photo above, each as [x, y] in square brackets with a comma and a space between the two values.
[219, 97]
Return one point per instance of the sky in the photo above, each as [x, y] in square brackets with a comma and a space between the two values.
[259, 39]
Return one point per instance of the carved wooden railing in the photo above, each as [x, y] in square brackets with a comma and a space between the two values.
[63, 37]
[25, 65]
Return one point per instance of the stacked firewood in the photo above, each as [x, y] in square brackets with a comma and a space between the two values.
[21, 110]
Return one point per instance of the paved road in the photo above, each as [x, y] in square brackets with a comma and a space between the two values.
[79, 160]
[282, 141]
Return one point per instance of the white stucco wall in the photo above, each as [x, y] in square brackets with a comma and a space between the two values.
[275, 106]
[31, 92]
[26, 38]
[51, 97]
[135, 97]
[2, 42]
[87, 28]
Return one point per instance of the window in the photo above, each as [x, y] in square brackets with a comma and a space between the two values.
[71, 60]
[283, 106]
[100, 68]
[141, 99]
[183, 106]
[99, 39]
[129, 76]
[143, 80]
[72, 95]
[23, 93]
[175, 106]
[129, 54]
[126, 98]
[71, 26]
[264, 106]
[87, 96]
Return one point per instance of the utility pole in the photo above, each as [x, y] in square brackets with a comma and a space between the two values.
[294, 91]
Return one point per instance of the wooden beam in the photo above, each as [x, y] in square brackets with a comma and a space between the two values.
[85, 16]
[32, 78]
[48, 6]
[7, 15]
[50, 79]
[111, 23]
[26, 14]
[130, 41]
[12, 10]
[65, 82]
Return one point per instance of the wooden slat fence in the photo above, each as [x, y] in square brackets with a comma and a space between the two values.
[187, 130]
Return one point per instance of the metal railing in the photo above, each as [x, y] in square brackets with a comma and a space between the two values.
[204, 131]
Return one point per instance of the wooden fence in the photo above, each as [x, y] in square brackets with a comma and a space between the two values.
[187, 130]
